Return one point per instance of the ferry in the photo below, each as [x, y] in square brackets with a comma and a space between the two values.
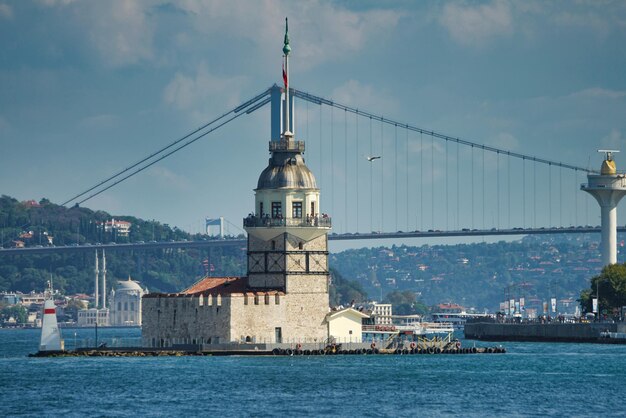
[456, 319]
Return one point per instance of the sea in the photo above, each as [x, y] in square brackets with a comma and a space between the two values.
[530, 379]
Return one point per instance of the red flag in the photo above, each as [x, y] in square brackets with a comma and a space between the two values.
[284, 75]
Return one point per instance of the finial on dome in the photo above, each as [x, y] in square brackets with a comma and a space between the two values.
[286, 47]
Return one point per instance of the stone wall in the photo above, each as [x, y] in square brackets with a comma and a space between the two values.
[185, 319]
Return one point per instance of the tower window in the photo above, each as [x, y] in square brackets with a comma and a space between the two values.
[277, 210]
[296, 210]
[312, 208]
[261, 209]
[300, 245]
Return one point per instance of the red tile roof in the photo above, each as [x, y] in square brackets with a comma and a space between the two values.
[218, 285]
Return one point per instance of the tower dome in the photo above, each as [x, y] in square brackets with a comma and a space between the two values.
[286, 170]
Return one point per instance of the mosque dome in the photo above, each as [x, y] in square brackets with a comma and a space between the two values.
[128, 285]
[287, 171]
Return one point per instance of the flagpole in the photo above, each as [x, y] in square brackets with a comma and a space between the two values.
[286, 49]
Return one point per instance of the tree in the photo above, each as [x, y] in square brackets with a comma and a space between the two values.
[612, 286]
[405, 303]
[18, 312]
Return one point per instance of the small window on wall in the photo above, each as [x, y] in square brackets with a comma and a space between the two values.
[296, 210]
[277, 299]
[312, 208]
[277, 210]
[245, 299]
[267, 299]
[256, 299]
[260, 208]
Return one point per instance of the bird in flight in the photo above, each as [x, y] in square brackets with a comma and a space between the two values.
[372, 158]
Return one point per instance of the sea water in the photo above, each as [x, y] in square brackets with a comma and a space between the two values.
[531, 379]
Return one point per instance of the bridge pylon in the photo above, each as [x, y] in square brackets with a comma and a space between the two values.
[608, 188]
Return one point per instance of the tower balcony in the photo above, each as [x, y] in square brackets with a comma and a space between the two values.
[267, 222]
[287, 146]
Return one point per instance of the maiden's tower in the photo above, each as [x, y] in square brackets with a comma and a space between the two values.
[284, 297]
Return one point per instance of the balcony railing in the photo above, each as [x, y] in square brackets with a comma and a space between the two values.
[267, 222]
[282, 145]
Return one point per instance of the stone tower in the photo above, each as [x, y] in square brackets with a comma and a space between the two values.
[287, 234]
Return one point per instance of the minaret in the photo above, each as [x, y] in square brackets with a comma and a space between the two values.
[287, 234]
[96, 296]
[608, 188]
[104, 280]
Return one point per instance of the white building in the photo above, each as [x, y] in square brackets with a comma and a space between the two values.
[125, 303]
[88, 317]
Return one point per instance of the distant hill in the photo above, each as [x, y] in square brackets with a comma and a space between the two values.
[478, 275]
[43, 223]
[473, 275]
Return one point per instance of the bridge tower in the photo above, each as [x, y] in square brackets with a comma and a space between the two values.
[608, 188]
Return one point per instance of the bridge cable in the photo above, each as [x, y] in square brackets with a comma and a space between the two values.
[382, 179]
[549, 195]
[345, 152]
[406, 165]
[371, 182]
[508, 180]
[119, 173]
[447, 171]
[320, 100]
[163, 157]
[421, 183]
[472, 184]
[432, 180]
[535, 194]
[458, 190]
[498, 189]
[332, 162]
[356, 156]
[524, 193]
[395, 175]
[484, 189]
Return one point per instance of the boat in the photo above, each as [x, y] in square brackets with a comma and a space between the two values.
[456, 320]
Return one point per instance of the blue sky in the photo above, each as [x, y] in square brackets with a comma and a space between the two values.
[88, 88]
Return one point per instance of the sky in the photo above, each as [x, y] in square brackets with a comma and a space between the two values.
[88, 88]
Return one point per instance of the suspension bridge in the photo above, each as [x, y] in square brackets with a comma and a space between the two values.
[385, 178]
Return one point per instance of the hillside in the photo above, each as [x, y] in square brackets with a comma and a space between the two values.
[478, 275]
[474, 275]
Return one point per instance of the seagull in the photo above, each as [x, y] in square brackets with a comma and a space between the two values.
[372, 158]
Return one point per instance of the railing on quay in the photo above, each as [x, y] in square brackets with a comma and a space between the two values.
[308, 222]
[282, 145]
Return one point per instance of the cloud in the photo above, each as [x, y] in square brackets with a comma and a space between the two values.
[169, 179]
[353, 93]
[613, 140]
[477, 25]
[6, 11]
[99, 121]
[187, 92]
[598, 93]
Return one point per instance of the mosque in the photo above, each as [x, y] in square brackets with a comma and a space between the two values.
[284, 297]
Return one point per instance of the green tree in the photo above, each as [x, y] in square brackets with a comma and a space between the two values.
[612, 288]
[18, 312]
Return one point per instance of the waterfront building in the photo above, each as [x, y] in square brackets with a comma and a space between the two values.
[346, 325]
[125, 300]
[381, 313]
[89, 317]
[284, 297]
